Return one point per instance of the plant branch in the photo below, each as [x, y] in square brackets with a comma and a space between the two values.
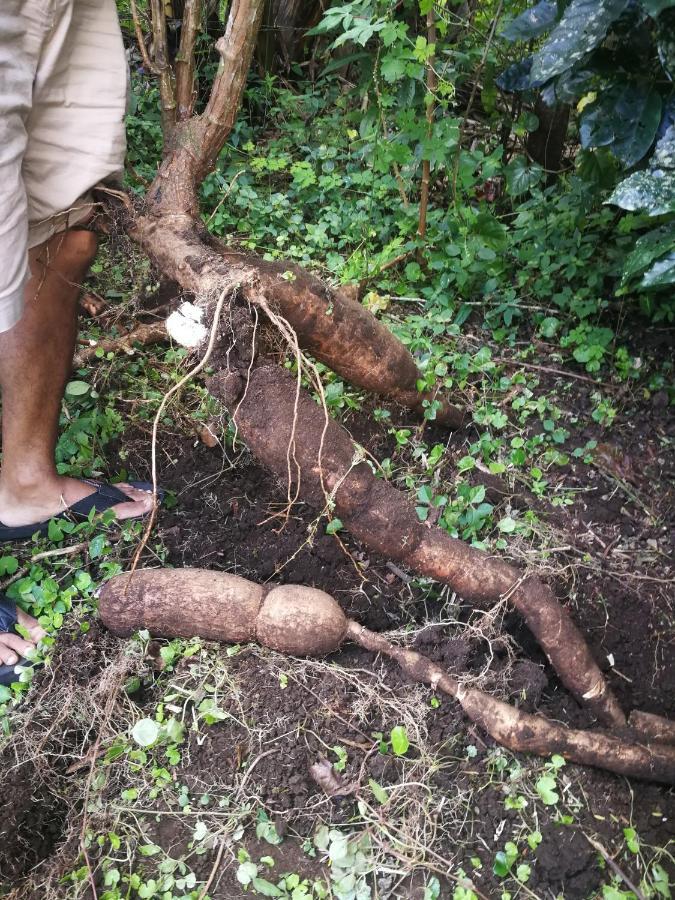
[185, 61]
[432, 85]
[236, 51]
[162, 67]
[140, 40]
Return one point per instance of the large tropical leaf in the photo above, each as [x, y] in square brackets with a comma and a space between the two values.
[521, 176]
[665, 43]
[583, 26]
[531, 23]
[517, 77]
[652, 192]
[655, 7]
[648, 248]
[661, 274]
[625, 118]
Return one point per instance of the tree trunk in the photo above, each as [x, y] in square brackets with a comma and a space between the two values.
[547, 143]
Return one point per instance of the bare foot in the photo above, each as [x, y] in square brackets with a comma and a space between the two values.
[13, 646]
[38, 504]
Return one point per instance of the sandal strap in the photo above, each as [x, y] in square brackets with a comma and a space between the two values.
[8, 615]
[104, 496]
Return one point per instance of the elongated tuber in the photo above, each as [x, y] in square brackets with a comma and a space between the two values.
[325, 465]
[306, 621]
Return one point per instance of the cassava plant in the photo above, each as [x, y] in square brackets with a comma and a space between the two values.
[243, 304]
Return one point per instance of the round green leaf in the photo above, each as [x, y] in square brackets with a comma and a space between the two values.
[77, 388]
[399, 740]
[145, 732]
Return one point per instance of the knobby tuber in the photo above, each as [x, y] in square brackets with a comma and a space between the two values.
[305, 621]
[332, 326]
[325, 465]
[340, 333]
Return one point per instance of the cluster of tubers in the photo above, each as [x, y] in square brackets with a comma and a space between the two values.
[304, 621]
[316, 458]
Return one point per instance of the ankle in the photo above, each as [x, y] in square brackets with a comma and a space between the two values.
[27, 483]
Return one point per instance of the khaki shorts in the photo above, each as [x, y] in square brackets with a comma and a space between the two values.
[63, 90]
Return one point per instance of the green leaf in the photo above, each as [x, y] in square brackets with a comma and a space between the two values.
[493, 232]
[54, 530]
[145, 732]
[522, 176]
[546, 788]
[654, 8]
[246, 872]
[583, 26]
[534, 839]
[97, 545]
[378, 791]
[76, 388]
[652, 192]
[624, 118]
[8, 565]
[531, 23]
[507, 524]
[334, 526]
[399, 740]
[661, 274]
[518, 77]
[523, 872]
[502, 864]
[632, 840]
[266, 888]
[648, 248]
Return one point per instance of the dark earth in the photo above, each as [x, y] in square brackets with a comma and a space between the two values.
[230, 517]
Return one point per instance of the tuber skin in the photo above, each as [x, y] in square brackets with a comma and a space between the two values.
[292, 619]
[305, 621]
[325, 462]
[652, 727]
[333, 327]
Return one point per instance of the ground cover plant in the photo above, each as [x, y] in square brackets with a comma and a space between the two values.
[178, 768]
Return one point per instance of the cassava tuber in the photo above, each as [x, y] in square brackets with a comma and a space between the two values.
[306, 621]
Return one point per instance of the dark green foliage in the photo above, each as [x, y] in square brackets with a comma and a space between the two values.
[532, 22]
[617, 58]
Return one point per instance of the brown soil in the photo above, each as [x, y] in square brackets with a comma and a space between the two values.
[229, 518]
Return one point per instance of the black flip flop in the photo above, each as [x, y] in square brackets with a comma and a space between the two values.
[105, 496]
[8, 620]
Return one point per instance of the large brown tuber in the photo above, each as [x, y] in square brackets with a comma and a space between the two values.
[305, 621]
[325, 465]
[222, 607]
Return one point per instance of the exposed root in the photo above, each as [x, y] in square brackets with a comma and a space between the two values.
[385, 520]
[526, 733]
[652, 727]
[331, 325]
[304, 621]
[144, 334]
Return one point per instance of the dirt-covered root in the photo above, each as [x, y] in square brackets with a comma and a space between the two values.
[526, 733]
[293, 619]
[321, 459]
[304, 621]
[332, 326]
[652, 727]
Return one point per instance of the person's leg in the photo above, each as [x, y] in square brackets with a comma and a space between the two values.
[35, 362]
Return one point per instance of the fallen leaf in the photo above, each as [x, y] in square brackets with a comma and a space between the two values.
[332, 784]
